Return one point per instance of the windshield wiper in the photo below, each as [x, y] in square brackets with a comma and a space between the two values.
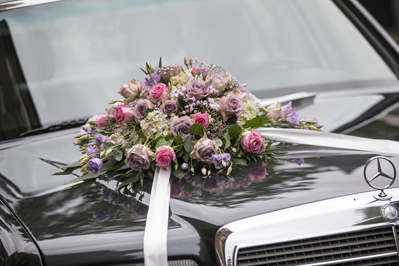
[55, 127]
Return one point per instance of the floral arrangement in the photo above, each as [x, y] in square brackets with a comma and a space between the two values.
[183, 117]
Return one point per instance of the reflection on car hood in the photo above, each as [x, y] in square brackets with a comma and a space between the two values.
[91, 223]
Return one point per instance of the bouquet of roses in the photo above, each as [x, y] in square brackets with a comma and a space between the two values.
[183, 117]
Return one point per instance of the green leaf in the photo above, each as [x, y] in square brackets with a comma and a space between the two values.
[141, 134]
[256, 122]
[239, 161]
[118, 155]
[235, 131]
[232, 120]
[148, 67]
[160, 62]
[189, 144]
[178, 140]
[220, 142]
[179, 173]
[196, 129]
[68, 170]
[108, 145]
[84, 178]
[128, 181]
[227, 140]
[145, 72]
[162, 142]
[181, 103]
[116, 167]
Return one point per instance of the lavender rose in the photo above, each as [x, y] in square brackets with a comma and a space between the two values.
[218, 82]
[95, 165]
[198, 89]
[180, 126]
[230, 105]
[140, 107]
[139, 157]
[169, 71]
[221, 160]
[169, 107]
[204, 150]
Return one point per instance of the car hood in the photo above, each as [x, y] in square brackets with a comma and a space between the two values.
[93, 224]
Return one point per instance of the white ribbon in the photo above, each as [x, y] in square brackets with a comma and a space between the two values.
[156, 227]
[332, 140]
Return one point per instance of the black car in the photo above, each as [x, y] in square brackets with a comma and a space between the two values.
[60, 61]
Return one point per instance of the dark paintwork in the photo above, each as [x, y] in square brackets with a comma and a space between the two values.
[91, 224]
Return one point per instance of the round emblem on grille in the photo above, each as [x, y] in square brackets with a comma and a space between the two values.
[379, 172]
[390, 212]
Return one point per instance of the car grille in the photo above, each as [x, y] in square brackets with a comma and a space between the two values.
[367, 247]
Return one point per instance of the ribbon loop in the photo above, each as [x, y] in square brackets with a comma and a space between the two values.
[156, 227]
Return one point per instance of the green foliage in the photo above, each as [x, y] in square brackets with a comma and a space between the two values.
[196, 129]
[256, 122]
[189, 144]
[162, 142]
[234, 131]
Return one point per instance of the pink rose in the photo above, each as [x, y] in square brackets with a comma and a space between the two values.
[252, 142]
[130, 90]
[124, 113]
[201, 119]
[111, 109]
[275, 112]
[159, 92]
[100, 120]
[164, 155]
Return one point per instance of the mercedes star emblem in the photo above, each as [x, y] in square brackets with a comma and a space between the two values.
[380, 173]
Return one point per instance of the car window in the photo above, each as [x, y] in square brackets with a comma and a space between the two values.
[66, 60]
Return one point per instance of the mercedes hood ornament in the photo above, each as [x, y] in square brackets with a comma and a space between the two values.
[380, 173]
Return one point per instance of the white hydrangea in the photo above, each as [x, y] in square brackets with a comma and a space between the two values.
[155, 124]
[249, 112]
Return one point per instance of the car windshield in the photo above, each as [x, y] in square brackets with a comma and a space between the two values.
[65, 60]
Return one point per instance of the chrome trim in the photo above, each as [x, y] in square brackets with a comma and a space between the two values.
[13, 4]
[220, 241]
[334, 216]
[395, 235]
[352, 260]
